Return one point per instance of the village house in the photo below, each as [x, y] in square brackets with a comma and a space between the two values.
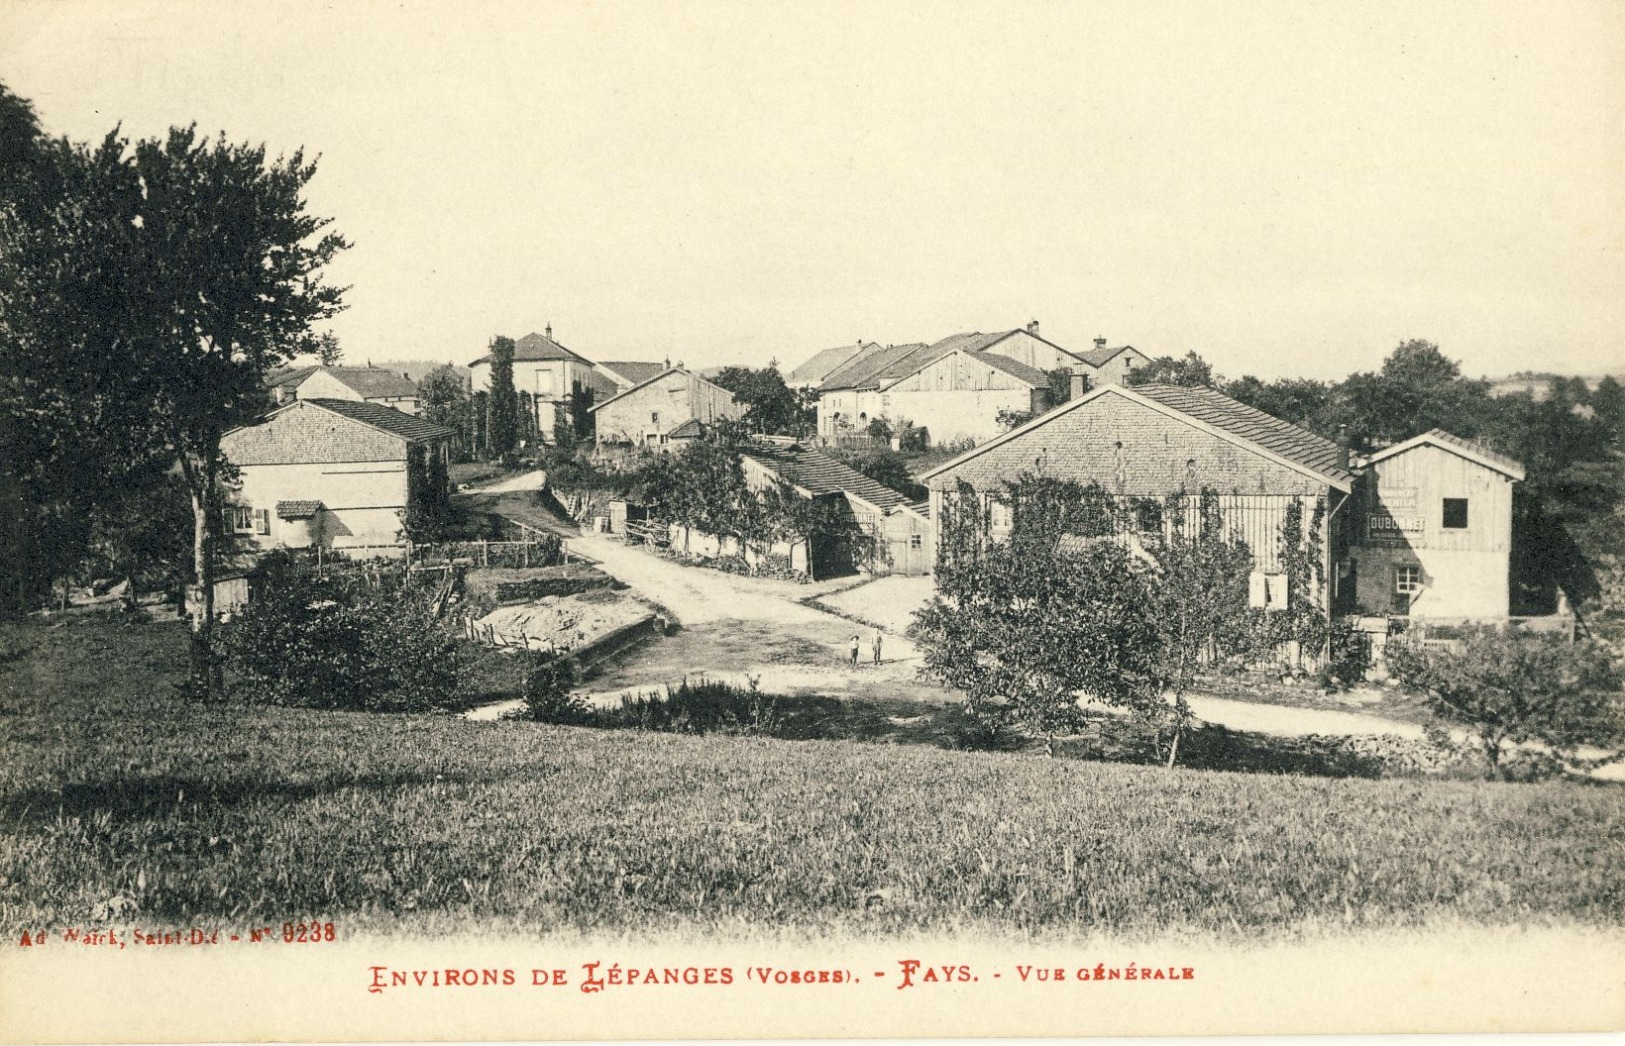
[1108, 366]
[1432, 531]
[548, 377]
[333, 473]
[962, 395]
[366, 384]
[1143, 443]
[675, 404]
[896, 532]
[888, 383]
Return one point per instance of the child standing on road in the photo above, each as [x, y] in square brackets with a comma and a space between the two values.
[877, 646]
[855, 645]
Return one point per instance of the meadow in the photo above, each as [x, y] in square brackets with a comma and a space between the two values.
[122, 801]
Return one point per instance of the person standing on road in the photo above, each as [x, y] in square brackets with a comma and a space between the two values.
[855, 645]
[877, 646]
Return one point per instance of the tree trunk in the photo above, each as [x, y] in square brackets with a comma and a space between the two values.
[205, 674]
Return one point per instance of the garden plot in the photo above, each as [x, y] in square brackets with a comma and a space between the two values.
[566, 624]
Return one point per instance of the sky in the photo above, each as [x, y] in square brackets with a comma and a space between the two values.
[1288, 188]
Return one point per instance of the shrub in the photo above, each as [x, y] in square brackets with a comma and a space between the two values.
[1350, 654]
[550, 696]
[338, 642]
[705, 707]
[1519, 687]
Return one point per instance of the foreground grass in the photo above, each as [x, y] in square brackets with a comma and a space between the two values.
[112, 788]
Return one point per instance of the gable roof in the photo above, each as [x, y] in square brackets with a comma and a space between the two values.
[823, 364]
[860, 371]
[289, 376]
[1465, 448]
[533, 347]
[1015, 368]
[689, 428]
[657, 377]
[369, 381]
[385, 419]
[817, 473]
[632, 372]
[1265, 434]
[1102, 355]
[974, 343]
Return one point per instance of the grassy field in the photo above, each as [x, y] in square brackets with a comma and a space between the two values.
[121, 801]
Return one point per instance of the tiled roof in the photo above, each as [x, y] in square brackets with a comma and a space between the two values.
[1470, 449]
[818, 473]
[860, 372]
[636, 372]
[824, 363]
[289, 377]
[297, 509]
[372, 382]
[1295, 444]
[385, 419]
[921, 508]
[1103, 355]
[1015, 368]
[535, 346]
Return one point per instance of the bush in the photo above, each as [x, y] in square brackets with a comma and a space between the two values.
[1350, 654]
[705, 707]
[1517, 688]
[550, 696]
[338, 642]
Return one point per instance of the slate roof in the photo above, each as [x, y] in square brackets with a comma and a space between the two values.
[1470, 449]
[824, 363]
[535, 346]
[1015, 368]
[297, 509]
[371, 382]
[861, 371]
[1298, 445]
[635, 371]
[818, 473]
[1103, 355]
[385, 419]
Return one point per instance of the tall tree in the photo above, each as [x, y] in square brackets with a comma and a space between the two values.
[163, 282]
[1191, 369]
[443, 398]
[328, 349]
[770, 405]
[503, 432]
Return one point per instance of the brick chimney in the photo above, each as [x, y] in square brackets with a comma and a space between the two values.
[1032, 328]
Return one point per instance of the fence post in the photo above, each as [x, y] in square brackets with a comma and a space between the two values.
[485, 553]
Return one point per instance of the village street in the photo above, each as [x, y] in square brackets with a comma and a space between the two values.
[736, 628]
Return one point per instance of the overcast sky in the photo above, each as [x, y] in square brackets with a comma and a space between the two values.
[1287, 188]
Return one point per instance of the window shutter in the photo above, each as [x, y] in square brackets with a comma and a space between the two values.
[1257, 592]
[262, 521]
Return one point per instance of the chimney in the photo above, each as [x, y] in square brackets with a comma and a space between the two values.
[547, 332]
[1032, 328]
[1100, 343]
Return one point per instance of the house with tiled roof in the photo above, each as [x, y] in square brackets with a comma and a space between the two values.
[367, 384]
[896, 531]
[1144, 443]
[961, 396]
[668, 406]
[1431, 531]
[548, 378]
[335, 473]
[867, 387]
[1105, 365]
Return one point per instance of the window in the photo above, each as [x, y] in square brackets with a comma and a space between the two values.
[916, 541]
[1407, 580]
[654, 417]
[1455, 513]
[999, 515]
[1266, 591]
[242, 519]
